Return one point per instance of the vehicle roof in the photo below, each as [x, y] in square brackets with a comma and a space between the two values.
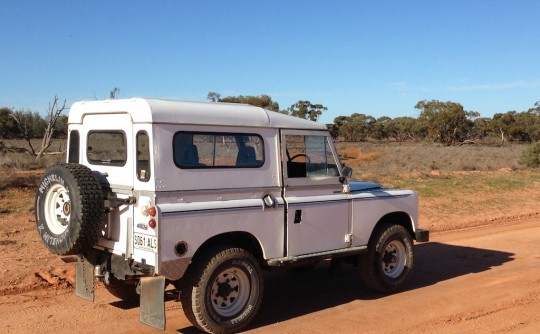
[150, 110]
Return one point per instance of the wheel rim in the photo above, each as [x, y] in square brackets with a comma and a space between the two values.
[57, 209]
[230, 292]
[394, 259]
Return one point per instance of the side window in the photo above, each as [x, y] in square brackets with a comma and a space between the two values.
[143, 156]
[309, 156]
[107, 148]
[74, 142]
[217, 150]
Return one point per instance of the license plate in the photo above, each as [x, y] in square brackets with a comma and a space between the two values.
[145, 242]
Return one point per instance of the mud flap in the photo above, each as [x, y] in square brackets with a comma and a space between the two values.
[153, 301]
[84, 279]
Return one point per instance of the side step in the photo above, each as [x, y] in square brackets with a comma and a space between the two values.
[283, 261]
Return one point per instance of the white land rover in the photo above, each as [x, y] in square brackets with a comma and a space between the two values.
[208, 195]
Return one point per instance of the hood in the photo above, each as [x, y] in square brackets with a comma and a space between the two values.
[362, 186]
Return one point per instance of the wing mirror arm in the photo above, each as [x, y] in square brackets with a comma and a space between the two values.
[347, 173]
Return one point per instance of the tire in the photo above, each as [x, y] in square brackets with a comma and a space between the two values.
[222, 293]
[69, 209]
[122, 289]
[389, 262]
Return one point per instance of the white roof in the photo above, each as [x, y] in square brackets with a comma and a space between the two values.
[149, 110]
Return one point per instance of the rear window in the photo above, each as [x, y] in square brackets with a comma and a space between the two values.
[73, 153]
[217, 150]
[107, 148]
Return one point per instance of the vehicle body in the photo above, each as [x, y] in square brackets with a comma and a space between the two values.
[196, 193]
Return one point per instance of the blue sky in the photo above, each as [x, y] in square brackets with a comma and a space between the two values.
[373, 57]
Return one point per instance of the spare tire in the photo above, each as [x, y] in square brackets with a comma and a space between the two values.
[69, 209]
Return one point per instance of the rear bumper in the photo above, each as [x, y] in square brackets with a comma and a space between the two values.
[422, 235]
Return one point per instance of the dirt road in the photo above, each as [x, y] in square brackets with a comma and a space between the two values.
[482, 280]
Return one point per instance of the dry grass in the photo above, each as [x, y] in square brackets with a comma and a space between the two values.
[19, 180]
[13, 157]
[17, 191]
[376, 160]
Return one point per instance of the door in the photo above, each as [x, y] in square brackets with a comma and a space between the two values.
[107, 147]
[318, 210]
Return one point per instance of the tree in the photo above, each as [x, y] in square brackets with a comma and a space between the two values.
[8, 126]
[336, 126]
[536, 109]
[531, 156]
[482, 127]
[447, 122]
[213, 96]
[29, 129]
[61, 127]
[380, 128]
[306, 110]
[402, 128]
[264, 101]
[29, 124]
[503, 123]
[356, 127]
[114, 93]
[526, 127]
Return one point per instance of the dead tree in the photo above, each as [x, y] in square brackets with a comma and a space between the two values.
[53, 112]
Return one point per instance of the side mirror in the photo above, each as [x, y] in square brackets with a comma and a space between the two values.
[347, 171]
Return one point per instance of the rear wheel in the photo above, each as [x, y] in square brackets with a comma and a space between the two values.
[223, 291]
[388, 264]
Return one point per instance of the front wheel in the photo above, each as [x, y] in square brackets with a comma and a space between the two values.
[388, 264]
[223, 291]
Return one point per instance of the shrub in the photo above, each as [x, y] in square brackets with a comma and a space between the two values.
[531, 156]
[11, 179]
[350, 152]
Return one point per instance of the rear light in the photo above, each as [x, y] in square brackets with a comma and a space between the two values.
[151, 212]
[148, 210]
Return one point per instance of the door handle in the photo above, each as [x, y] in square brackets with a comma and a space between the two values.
[298, 216]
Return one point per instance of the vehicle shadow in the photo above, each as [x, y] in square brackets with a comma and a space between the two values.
[170, 294]
[295, 293]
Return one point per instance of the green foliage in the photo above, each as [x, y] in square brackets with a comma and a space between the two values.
[531, 156]
[8, 126]
[356, 127]
[263, 101]
[34, 123]
[447, 122]
[306, 110]
[303, 109]
[114, 93]
[505, 183]
[405, 128]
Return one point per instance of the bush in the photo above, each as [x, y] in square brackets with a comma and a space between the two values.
[531, 156]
